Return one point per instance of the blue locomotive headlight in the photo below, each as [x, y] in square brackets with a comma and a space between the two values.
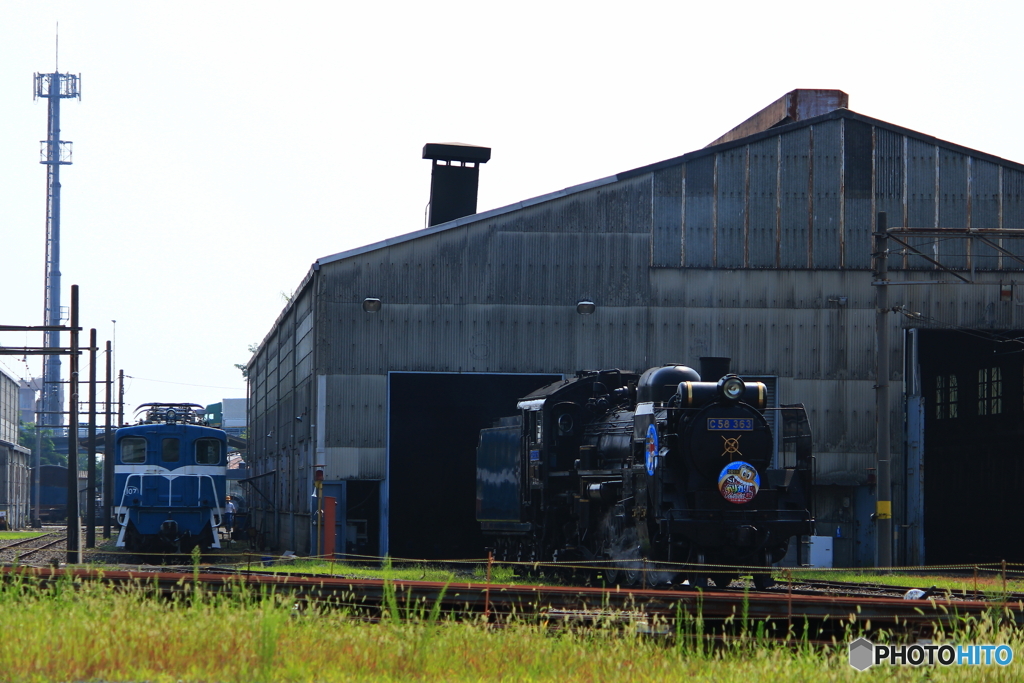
[731, 388]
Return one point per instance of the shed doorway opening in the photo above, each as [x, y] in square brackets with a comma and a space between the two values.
[972, 383]
[434, 422]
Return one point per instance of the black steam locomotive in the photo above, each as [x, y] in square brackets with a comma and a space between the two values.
[636, 473]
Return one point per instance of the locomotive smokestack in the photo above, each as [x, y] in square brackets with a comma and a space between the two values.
[714, 368]
[454, 179]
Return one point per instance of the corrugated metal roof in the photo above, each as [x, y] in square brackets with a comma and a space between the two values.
[820, 121]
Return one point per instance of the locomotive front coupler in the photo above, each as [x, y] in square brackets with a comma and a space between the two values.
[169, 529]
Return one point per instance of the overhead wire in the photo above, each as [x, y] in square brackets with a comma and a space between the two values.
[184, 384]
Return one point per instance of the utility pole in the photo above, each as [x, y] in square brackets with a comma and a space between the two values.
[90, 503]
[883, 486]
[37, 523]
[120, 398]
[108, 448]
[74, 519]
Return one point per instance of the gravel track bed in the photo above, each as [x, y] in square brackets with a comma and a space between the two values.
[10, 555]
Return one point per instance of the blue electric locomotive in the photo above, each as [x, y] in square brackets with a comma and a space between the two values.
[169, 480]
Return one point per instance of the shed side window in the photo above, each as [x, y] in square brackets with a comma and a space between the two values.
[990, 391]
[983, 391]
[945, 397]
[953, 398]
[995, 391]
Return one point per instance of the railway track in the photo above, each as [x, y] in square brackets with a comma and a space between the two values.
[32, 552]
[884, 590]
[24, 541]
[782, 612]
[28, 547]
[794, 586]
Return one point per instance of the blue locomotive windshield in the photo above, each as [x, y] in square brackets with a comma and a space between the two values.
[207, 451]
[171, 450]
[133, 449]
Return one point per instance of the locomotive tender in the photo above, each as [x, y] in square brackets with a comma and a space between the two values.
[627, 473]
[169, 480]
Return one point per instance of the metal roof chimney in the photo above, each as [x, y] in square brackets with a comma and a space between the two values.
[454, 179]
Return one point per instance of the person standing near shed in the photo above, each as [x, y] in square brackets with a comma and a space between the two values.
[229, 514]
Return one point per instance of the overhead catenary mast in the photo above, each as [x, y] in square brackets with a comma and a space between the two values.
[54, 153]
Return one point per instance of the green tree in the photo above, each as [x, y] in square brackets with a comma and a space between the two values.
[49, 456]
[253, 348]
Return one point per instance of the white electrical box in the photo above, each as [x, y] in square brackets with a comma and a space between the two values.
[819, 551]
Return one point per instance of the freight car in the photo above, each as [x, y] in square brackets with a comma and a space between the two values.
[169, 480]
[659, 471]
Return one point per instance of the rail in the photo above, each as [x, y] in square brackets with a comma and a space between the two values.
[783, 614]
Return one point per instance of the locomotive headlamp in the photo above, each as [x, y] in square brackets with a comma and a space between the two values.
[731, 388]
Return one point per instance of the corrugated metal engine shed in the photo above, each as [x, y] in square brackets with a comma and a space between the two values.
[757, 247]
[14, 459]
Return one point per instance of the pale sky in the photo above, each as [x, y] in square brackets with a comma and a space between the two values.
[222, 147]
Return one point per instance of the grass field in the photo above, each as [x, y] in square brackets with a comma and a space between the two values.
[92, 633]
[15, 535]
[87, 632]
[413, 572]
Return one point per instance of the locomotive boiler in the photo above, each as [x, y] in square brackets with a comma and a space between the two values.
[663, 471]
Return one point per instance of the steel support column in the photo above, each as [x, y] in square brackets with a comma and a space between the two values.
[883, 491]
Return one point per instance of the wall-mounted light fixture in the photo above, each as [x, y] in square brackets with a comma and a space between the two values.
[585, 307]
[371, 305]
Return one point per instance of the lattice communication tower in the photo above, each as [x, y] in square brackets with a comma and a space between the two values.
[54, 153]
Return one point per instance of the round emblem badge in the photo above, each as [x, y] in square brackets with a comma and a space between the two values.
[651, 449]
[738, 483]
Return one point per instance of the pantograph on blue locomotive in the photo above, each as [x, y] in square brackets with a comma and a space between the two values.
[169, 480]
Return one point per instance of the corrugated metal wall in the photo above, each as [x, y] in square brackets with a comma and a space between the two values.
[807, 198]
[355, 426]
[758, 250]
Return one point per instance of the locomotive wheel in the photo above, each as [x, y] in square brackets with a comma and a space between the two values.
[764, 580]
[516, 557]
[612, 576]
[633, 573]
[723, 580]
[697, 579]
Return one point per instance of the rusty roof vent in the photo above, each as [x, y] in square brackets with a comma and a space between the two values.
[795, 105]
[454, 179]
